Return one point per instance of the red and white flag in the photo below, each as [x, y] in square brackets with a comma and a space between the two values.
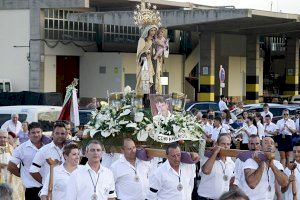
[70, 111]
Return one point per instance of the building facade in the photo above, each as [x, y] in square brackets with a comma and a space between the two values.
[52, 42]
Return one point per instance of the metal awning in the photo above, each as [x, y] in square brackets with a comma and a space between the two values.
[235, 21]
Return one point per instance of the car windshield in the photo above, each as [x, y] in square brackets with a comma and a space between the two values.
[84, 117]
[206, 106]
[46, 119]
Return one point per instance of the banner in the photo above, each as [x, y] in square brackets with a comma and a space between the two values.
[170, 138]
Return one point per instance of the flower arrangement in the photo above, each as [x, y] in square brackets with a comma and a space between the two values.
[126, 118]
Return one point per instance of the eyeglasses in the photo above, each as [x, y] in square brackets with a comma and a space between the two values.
[285, 114]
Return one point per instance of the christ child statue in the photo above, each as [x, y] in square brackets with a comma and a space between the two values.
[161, 43]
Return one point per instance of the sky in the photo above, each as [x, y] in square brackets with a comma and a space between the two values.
[286, 6]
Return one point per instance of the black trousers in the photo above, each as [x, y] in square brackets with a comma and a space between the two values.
[32, 193]
[204, 198]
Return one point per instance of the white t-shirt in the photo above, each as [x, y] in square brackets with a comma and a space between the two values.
[288, 194]
[216, 132]
[222, 105]
[261, 192]
[239, 175]
[83, 180]
[24, 155]
[60, 181]
[213, 185]
[251, 129]
[164, 181]
[207, 129]
[127, 187]
[10, 126]
[263, 114]
[284, 130]
[260, 130]
[270, 127]
[39, 163]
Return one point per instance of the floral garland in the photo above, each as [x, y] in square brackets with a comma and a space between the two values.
[112, 122]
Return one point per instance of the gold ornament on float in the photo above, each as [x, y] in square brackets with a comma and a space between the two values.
[146, 14]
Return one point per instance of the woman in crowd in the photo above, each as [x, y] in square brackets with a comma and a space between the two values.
[259, 124]
[226, 120]
[23, 134]
[62, 174]
[247, 130]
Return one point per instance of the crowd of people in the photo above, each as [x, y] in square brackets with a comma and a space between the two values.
[254, 174]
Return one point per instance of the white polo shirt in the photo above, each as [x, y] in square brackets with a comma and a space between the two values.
[126, 185]
[270, 127]
[216, 132]
[263, 114]
[239, 176]
[261, 192]
[213, 185]
[284, 130]
[165, 180]
[48, 151]
[289, 194]
[24, 155]
[251, 129]
[222, 105]
[82, 181]
[10, 126]
[60, 180]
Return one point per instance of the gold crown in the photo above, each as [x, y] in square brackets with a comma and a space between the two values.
[146, 14]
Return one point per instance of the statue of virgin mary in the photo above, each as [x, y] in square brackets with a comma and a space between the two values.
[147, 70]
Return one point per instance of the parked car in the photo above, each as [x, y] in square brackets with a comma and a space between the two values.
[275, 109]
[203, 107]
[84, 116]
[45, 115]
[295, 99]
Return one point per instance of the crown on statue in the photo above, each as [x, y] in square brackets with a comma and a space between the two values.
[146, 14]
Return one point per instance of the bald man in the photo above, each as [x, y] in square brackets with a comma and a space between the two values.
[262, 174]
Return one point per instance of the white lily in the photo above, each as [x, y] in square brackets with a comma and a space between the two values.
[131, 125]
[138, 117]
[124, 113]
[105, 133]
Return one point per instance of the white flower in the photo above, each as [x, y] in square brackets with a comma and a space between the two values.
[142, 135]
[93, 132]
[105, 133]
[131, 125]
[126, 107]
[138, 117]
[103, 104]
[127, 89]
[176, 129]
[122, 122]
[124, 113]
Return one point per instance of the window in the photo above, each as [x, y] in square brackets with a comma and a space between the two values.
[121, 34]
[171, 35]
[57, 27]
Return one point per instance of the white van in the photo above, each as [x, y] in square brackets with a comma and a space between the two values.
[45, 115]
[5, 85]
